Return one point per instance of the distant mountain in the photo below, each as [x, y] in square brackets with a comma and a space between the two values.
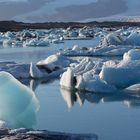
[69, 10]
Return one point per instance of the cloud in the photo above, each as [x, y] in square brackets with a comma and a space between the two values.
[7, 1]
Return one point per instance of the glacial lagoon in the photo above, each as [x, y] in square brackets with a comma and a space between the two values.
[109, 116]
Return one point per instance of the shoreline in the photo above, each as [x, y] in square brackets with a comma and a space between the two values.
[29, 134]
[18, 26]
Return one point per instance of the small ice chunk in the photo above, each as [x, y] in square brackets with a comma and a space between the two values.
[94, 84]
[134, 88]
[55, 60]
[67, 79]
[133, 54]
[133, 39]
[35, 72]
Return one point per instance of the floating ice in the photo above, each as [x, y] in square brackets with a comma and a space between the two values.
[85, 82]
[18, 70]
[9, 35]
[133, 39]
[112, 39]
[67, 79]
[55, 60]
[132, 55]
[111, 50]
[87, 64]
[18, 104]
[36, 42]
[134, 89]
[51, 67]
[35, 72]
[93, 84]
[114, 74]
[124, 73]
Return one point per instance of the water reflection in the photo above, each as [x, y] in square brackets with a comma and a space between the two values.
[131, 99]
[33, 84]
[70, 97]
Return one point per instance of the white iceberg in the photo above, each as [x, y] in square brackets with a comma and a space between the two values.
[133, 54]
[133, 39]
[113, 74]
[93, 84]
[112, 39]
[36, 43]
[55, 60]
[67, 80]
[51, 67]
[134, 90]
[85, 82]
[35, 72]
[9, 35]
[110, 50]
[124, 73]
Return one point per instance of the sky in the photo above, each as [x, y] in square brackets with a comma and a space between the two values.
[67, 10]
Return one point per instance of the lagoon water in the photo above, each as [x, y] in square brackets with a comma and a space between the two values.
[110, 117]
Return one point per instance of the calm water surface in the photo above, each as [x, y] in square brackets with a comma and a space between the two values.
[108, 116]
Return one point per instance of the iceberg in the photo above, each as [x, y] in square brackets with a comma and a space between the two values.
[93, 84]
[85, 82]
[125, 73]
[56, 60]
[51, 67]
[133, 90]
[67, 79]
[133, 54]
[112, 39]
[36, 43]
[110, 50]
[19, 71]
[35, 72]
[9, 35]
[133, 39]
[18, 104]
[104, 77]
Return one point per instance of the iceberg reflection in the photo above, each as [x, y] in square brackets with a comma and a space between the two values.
[18, 104]
[128, 98]
[69, 97]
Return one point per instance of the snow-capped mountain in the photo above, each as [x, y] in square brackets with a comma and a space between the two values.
[69, 10]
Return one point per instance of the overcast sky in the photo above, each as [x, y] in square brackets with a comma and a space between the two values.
[66, 10]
